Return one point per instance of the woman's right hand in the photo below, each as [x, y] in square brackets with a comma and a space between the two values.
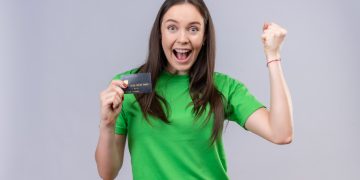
[111, 102]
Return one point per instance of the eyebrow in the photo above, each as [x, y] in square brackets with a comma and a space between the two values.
[172, 20]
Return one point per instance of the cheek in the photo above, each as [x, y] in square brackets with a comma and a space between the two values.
[197, 42]
[166, 42]
[198, 45]
[165, 46]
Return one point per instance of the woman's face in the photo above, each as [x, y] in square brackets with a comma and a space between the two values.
[182, 36]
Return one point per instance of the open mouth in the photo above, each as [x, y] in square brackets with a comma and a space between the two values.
[182, 54]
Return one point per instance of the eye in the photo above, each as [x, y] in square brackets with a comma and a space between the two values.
[193, 29]
[172, 28]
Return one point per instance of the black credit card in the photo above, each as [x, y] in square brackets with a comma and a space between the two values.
[138, 83]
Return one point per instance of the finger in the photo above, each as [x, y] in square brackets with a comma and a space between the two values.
[267, 35]
[271, 27]
[265, 26]
[113, 102]
[104, 93]
[277, 34]
[117, 109]
[118, 99]
[268, 39]
[263, 38]
[116, 102]
[276, 27]
[111, 90]
[109, 95]
[120, 83]
[117, 89]
[107, 103]
[269, 30]
[275, 30]
[283, 32]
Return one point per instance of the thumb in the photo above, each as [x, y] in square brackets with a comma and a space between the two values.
[266, 26]
[118, 109]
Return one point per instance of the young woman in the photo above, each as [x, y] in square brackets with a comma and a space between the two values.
[175, 131]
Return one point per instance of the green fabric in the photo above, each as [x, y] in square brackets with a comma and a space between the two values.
[180, 150]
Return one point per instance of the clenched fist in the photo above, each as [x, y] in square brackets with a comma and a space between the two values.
[272, 39]
[111, 102]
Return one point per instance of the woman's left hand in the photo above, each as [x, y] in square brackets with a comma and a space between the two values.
[272, 39]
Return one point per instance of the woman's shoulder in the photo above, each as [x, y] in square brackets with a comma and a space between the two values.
[131, 71]
[227, 84]
[222, 79]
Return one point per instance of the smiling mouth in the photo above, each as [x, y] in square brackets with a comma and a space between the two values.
[182, 54]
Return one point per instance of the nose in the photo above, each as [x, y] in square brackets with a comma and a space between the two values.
[183, 37]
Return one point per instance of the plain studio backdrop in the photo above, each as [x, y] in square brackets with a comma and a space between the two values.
[57, 56]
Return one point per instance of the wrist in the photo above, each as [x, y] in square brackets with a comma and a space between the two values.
[105, 131]
[272, 56]
[273, 61]
[105, 126]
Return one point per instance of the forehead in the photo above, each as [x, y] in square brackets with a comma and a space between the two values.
[183, 13]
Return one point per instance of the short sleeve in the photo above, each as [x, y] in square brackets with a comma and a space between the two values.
[240, 102]
[121, 123]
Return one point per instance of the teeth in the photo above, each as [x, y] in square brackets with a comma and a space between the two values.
[182, 50]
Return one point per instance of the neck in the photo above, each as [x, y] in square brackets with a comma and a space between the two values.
[175, 72]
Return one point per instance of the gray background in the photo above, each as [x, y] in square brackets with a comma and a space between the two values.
[56, 57]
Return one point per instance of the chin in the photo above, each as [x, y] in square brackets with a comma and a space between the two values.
[182, 69]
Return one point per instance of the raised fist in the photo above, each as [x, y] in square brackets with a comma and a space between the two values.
[272, 39]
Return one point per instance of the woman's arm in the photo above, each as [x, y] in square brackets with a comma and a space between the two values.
[110, 148]
[109, 153]
[275, 125]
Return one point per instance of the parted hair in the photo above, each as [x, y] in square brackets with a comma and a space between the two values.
[202, 89]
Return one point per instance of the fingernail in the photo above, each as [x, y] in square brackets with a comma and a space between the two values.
[126, 82]
[266, 25]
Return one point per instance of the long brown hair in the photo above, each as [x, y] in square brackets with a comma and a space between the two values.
[202, 89]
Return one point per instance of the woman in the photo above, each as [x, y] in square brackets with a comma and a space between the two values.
[175, 131]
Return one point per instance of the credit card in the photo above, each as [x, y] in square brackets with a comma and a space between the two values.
[138, 83]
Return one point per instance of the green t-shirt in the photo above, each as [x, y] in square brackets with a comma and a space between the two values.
[180, 150]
